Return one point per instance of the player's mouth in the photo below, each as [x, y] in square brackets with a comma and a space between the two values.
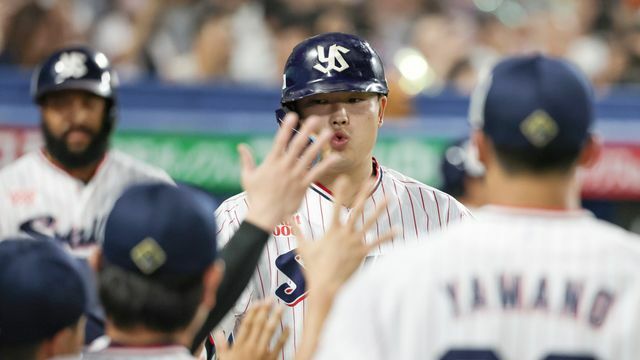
[339, 141]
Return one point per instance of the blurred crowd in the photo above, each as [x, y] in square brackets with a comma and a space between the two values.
[427, 45]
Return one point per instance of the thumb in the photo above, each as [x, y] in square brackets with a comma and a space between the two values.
[247, 162]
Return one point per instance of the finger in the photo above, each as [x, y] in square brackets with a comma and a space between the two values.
[361, 198]
[301, 140]
[262, 314]
[371, 219]
[221, 344]
[270, 328]
[284, 134]
[280, 344]
[246, 324]
[303, 243]
[382, 239]
[311, 152]
[297, 231]
[246, 159]
[339, 199]
[320, 168]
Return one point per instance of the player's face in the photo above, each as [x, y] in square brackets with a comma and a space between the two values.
[354, 117]
[73, 126]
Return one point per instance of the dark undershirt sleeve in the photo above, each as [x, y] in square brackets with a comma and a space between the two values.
[240, 255]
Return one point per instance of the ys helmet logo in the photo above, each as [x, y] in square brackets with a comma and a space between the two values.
[335, 55]
[71, 64]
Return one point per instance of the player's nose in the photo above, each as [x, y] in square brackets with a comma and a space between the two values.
[77, 112]
[339, 116]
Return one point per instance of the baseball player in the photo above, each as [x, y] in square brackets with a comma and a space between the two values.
[158, 274]
[43, 296]
[339, 78]
[463, 174]
[536, 277]
[67, 188]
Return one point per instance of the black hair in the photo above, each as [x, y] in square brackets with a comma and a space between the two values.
[163, 305]
[20, 352]
[515, 161]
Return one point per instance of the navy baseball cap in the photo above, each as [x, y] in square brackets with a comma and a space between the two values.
[534, 103]
[161, 231]
[41, 290]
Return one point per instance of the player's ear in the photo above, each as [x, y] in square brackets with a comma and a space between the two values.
[95, 260]
[211, 281]
[591, 151]
[382, 105]
[483, 146]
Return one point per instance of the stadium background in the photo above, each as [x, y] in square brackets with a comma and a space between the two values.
[199, 76]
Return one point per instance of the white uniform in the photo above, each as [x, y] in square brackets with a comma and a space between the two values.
[517, 284]
[416, 209]
[37, 197]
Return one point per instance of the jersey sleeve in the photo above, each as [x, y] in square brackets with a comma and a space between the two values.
[228, 221]
[458, 212]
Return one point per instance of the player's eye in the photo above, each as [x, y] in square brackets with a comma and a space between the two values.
[355, 100]
[319, 102]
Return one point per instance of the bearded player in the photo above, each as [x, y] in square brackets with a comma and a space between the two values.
[339, 78]
[66, 189]
[536, 277]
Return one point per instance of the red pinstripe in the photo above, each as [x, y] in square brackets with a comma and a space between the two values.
[275, 241]
[413, 211]
[377, 227]
[395, 189]
[387, 208]
[261, 282]
[224, 223]
[438, 207]
[306, 202]
[424, 209]
[321, 213]
[448, 209]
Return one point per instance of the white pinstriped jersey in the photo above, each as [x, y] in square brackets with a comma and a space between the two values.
[416, 209]
[516, 284]
[37, 197]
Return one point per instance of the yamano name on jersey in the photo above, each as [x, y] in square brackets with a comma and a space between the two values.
[569, 298]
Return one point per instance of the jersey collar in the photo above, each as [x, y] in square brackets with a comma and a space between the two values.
[376, 172]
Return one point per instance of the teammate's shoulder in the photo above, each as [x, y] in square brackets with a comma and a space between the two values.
[137, 167]
[409, 182]
[612, 232]
[233, 202]
[421, 189]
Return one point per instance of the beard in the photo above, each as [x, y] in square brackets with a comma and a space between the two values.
[58, 149]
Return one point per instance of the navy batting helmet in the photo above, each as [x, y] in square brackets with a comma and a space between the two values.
[332, 62]
[76, 68]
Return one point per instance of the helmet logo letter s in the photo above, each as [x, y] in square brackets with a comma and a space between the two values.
[334, 55]
[69, 65]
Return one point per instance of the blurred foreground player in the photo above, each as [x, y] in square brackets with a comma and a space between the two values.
[535, 277]
[339, 79]
[42, 300]
[158, 273]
